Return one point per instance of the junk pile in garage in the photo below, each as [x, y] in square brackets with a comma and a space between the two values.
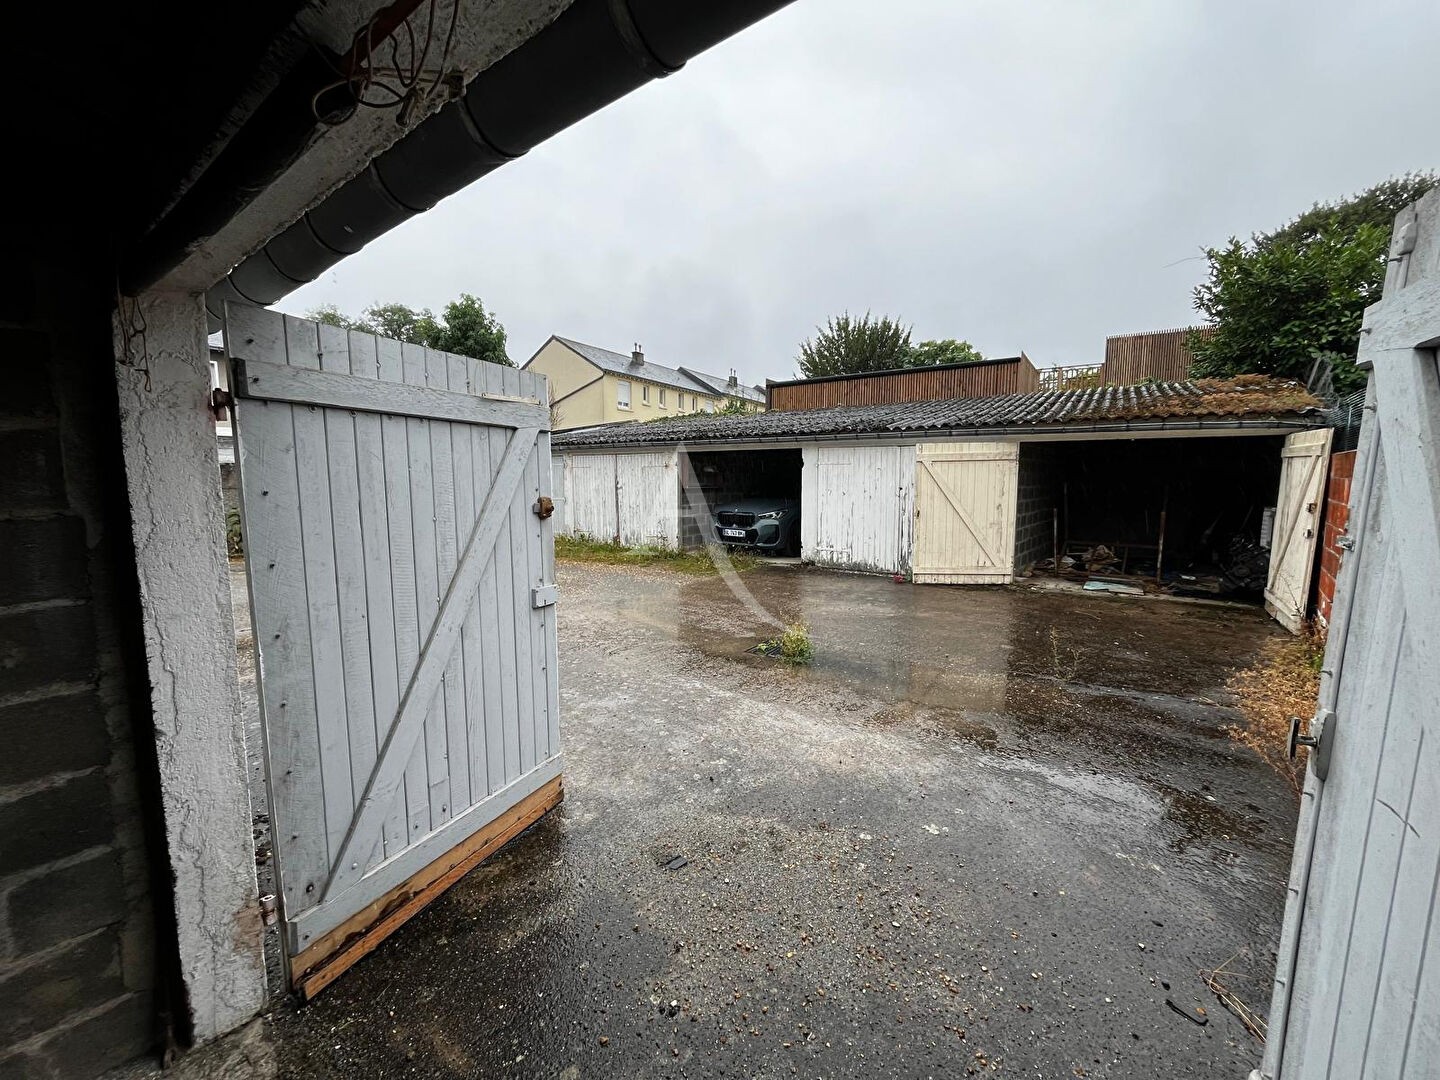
[1169, 516]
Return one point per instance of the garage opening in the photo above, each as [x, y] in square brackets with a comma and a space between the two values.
[1190, 516]
[751, 498]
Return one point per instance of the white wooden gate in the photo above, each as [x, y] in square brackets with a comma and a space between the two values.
[857, 507]
[965, 512]
[1357, 987]
[1304, 466]
[401, 575]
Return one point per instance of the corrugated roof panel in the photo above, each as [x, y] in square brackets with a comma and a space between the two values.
[1245, 397]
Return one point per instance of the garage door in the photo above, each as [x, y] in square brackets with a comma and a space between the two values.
[589, 496]
[857, 507]
[1303, 469]
[965, 513]
[647, 492]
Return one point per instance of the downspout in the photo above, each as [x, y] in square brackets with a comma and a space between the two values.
[595, 52]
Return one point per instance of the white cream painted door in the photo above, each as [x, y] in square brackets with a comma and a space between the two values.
[1304, 465]
[965, 513]
[401, 580]
[1357, 983]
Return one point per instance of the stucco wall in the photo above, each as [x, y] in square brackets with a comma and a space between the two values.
[177, 515]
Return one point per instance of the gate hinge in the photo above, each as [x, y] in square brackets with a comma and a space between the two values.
[269, 915]
[220, 403]
[1319, 737]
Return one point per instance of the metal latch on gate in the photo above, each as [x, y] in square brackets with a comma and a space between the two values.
[544, 507]
[542, 596]
[1320, 738]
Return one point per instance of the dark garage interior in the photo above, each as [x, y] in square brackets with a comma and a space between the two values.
[1186, 515]
[727, 476]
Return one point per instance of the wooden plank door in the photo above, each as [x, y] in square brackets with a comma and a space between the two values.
[647, 497]
[591, 508]
[1357, 987]
[401, 578]
[965, 512]
[857, 507]
[1304, 465]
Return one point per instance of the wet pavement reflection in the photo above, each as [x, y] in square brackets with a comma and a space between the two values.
[986, 830]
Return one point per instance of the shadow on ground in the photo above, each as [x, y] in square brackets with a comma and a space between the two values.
[987, 831]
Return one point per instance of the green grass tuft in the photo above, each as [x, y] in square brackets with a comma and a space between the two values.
[793, 645]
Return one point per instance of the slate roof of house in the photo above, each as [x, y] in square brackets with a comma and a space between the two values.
[1208, 402]
[681, 378]
[722, 386]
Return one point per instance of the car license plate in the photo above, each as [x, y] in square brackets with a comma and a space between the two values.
[739, 534]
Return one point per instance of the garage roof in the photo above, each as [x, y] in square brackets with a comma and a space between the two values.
[1245, 401]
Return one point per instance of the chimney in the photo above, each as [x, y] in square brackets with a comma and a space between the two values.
[637, 356]
[733, 380]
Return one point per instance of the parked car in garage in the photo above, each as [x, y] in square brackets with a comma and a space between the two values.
[769, 525]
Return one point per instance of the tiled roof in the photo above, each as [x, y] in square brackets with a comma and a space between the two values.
[1223, 401]
[621, 364]
[722, 386]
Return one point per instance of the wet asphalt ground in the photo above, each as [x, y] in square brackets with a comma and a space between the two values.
[988, 831]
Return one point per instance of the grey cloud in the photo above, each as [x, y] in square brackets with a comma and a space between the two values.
[1024, 175]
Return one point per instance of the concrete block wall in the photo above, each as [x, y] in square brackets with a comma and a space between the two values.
[78, 971]
[1337, 520]
[1037, 497]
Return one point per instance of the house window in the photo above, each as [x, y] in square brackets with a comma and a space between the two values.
[622, 394]
[662, 397]
[645, 394]
[680, 402]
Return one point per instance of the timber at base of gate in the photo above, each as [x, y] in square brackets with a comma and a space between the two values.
[358, 936]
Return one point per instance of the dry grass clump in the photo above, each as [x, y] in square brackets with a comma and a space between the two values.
[587, 549]
[1283, 682]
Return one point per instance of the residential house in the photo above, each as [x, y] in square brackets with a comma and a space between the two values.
[590, 385]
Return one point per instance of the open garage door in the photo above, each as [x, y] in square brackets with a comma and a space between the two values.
[400, 567]
[1304, 467]
[965, 513]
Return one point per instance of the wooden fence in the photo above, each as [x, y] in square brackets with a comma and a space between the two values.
[985, 378]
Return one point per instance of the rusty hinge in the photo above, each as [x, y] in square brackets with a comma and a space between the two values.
[269, 913]
[1319, 737]
[220, 403]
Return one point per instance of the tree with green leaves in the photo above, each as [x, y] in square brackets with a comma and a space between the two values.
[1285, 299]
[846, 346]
[945, 351]
[465, 327]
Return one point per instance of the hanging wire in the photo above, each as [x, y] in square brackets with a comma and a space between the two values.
[396, 81]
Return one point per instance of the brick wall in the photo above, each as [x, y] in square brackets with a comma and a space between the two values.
[1337, 518]
[1038, 495]
[77, 932]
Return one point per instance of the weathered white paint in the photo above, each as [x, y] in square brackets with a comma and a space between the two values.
[1299, 508]
[965, 504]
[1357, 987]
[177, 516]
[407, 692]
[857, 507]
[632, 497]
[648, 486]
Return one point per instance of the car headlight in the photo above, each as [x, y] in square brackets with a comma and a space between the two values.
[772, 515]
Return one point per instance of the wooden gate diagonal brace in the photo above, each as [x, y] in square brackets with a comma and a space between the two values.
[960, 513]
[444, 637]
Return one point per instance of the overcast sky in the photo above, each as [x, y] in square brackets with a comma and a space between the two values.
[1021, 174]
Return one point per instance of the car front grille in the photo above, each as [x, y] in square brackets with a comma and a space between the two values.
[726, 518]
